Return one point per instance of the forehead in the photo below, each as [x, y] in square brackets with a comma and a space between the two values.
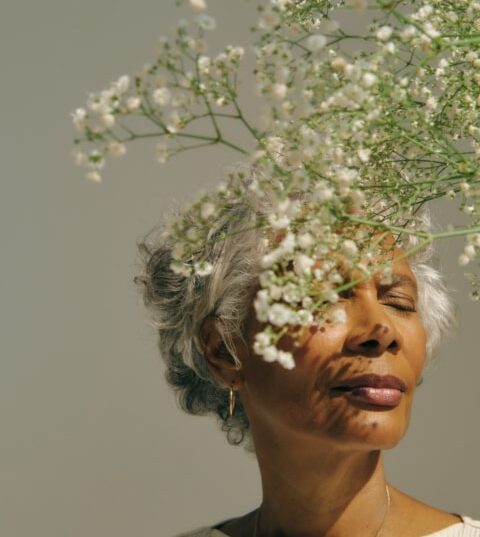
[402, 273]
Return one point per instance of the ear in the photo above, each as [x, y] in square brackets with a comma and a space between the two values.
[219, 359]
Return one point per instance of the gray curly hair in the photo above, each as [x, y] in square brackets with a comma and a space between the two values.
[179, 305]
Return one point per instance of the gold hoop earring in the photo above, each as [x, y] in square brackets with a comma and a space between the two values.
[231, 402]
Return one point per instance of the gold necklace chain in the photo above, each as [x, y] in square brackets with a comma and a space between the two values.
[257, 516]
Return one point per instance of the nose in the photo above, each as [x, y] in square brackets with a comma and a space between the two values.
[373, 331]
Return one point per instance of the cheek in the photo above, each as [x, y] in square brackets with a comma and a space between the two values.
[415, 345]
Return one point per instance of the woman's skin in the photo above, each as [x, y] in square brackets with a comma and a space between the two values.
[320, 451]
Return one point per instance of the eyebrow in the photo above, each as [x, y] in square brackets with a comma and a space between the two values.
[403, 279]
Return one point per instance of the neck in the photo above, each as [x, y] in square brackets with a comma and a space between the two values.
[320, 491]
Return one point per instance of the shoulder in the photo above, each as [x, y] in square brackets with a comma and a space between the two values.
[202, 532]
[471, 527]
[467, 528]
[417, 518]
[231, 527]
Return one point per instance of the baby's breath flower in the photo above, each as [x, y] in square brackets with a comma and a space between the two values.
[285, 359]
[207, 210]
[133, 103]
[315, 43]
[279, 91]
[349, 247]
[280, 315]
[203, 268]
[463, 260]
[174, 122]
[117, 149]
[161, 96]
[122, 84]
[198, 5]
[303, 263]
[338, 315]
[470, 251]
[204, 64]
[384, 33]
[108, 120]
[94, 176]
[79, 117]
[336, 142]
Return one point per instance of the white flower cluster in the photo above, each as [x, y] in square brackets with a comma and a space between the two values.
[348, 147]
[180, 88]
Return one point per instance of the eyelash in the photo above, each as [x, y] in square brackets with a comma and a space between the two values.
[401, 308]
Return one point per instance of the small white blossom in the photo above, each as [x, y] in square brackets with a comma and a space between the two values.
[384, 33]
[122, 84]
[451, 194]
[349, 247]
[305, 240]
[339, 64]
[279, 91]
[207, 210]
[386, 276]
[465, 187]
[424, 12]
[181, 269]
[161, 96]
[204, 63]
[364, 154]
[174, 122]
[315, 43]
[203, 268]
[431, 103]
[94, 176]
[475, 239]
[338, 315]
[285, 359]
[332, 296]
[304, 317]
[117, 149]
[470, 251]
[279, 221]
[430, 30]
[133, 103]
[303, 263]
[262, 342]
[280, 315]
[79, 117]
[369, 80]
[198, 5]
[270, 354]
[463, 260]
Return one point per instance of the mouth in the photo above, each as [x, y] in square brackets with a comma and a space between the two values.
[379, 390]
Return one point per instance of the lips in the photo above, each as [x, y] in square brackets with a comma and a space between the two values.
[372, 381]
[379, 390]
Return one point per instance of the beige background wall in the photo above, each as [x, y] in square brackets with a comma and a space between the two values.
[91, 443]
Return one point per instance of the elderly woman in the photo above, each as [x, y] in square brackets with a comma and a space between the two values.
[319, 429]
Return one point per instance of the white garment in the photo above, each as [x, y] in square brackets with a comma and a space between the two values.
[467, 528]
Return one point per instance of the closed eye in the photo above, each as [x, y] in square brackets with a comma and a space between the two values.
[401, 307]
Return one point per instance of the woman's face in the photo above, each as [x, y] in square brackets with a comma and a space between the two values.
[322, 397]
